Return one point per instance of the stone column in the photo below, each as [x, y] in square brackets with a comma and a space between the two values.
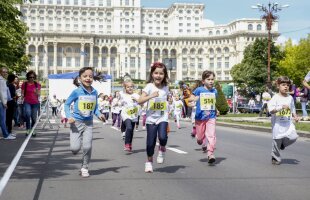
[91, 56]
[100, 59]
[82, 55]
[55, 57]
[46, 67]
[36, 60]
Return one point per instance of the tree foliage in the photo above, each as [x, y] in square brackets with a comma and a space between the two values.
[221, 102]
[251, 74]
[296, 62]
[13, 37]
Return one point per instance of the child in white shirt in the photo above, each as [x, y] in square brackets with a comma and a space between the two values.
[282, 108]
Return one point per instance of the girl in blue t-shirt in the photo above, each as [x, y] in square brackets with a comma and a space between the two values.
[206, 112]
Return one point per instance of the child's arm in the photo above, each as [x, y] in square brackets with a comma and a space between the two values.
[144, 97]
[70, 99]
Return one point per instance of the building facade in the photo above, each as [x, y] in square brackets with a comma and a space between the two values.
[119, 37]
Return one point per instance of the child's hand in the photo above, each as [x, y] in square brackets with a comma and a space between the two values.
[285, 107]
[102, 118]
[71, 120]
[217, 113]
[155, 94]
[296, 118]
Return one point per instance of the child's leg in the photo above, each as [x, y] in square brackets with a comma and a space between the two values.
[87, 143]
[143, 120]
[119, 120]
[177, 116]
[275, 153]
[162, 133]
[211, 136]
[200, 131]
[137, 123]
[129, 131]
[287, 141]
[151, 130]
[76, 137]
[123, 126]
[113, 118]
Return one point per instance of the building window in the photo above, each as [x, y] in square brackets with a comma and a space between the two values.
[226, 62]
[219, 62]
[132, 62]
[68, 61]
[108, 2]
[259, 27]
[250, 27]
[211, 62]
[83, 2]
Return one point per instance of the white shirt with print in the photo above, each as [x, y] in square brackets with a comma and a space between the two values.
[156, 117]
[130, 107]
[282, 122]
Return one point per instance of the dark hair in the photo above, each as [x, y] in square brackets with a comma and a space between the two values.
[283, 79]
[31, 72]
[11, 78]
[153, 68]
[97, 76]
[196, 84]
[207, 74]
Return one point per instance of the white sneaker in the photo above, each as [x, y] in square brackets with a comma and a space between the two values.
[148, 167]
[161, 157]
[84, 173]
[13, 134]
[10, 137]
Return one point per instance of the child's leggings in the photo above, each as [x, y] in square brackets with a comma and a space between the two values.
[116, 116]
[130, 125]
[205, 131]
[81, 136]
[152, 131]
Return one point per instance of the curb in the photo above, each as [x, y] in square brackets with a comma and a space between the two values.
[304, 134]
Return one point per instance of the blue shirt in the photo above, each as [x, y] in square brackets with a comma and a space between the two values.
[204, 114]
[85, 104]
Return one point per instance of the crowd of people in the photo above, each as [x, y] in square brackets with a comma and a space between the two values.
[19, 102]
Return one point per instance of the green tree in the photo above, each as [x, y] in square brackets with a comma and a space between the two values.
[251, 74]
[13, 37]
[221, 102]
[296, 62]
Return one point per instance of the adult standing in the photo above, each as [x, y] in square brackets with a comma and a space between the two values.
[266, 98]
[54, 102]
[3, 103]
[31, 92]
[11, 104]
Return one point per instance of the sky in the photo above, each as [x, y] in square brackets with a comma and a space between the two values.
[294, 21]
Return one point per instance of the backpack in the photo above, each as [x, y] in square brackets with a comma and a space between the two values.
[25, 89]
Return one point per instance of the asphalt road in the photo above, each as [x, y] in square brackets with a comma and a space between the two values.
[243, 170]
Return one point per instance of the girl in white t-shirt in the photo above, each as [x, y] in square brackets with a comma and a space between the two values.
[129, 112]
[105, 107]
[155, 93]
[115, 110]
[283, 111]
[177, 107]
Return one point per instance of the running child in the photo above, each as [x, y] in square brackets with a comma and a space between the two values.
[115, 110]
[177, 108]
[64, 119]
[283, 112]
[196, 84]
[105, 107]
[129, 112]
[81, 120]
[205, 118]
[155, 93]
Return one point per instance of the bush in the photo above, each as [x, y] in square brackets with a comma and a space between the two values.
[221, 102]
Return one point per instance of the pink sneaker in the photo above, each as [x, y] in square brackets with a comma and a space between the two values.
[127, 147]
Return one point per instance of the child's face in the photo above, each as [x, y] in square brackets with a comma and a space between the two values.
[177, 98]
[209, 81]
[86, 78]
[129, 88]
[158, 76]
[283, 88]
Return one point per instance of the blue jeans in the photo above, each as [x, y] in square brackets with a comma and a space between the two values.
[30, 111]
[2, 121]
[152, 130]
[304, 108]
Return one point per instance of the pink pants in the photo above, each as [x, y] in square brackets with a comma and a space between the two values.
[205, 131]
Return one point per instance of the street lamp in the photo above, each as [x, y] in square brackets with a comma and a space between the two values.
[269, 16]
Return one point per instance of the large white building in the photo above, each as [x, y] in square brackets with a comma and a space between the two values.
[120, 36]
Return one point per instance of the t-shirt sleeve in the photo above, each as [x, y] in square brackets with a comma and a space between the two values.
[196, 92]
[147, 89]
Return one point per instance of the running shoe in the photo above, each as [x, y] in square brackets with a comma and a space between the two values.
[123, 135]
[160, 157]
[274, 161]
[84, 173]
[211, 159]
[148, 167]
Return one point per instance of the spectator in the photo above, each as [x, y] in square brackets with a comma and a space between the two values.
[251, 104]
[304, 93]
[54, 102]
[293, 92]
[20, 106]
[3, 103]
[266, 97]
[16, 113]
[31, 92]
[11, 103]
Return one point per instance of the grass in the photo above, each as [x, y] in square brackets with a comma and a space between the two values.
[241, 115]
[299, 126]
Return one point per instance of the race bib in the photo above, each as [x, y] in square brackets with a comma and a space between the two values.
[284, 115]
[158, 104]
[132, 112]
[207, 101]
[86, 105]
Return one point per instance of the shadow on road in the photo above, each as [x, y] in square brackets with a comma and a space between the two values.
[217, 161]
[105, 170]
[290, 161]
[170, 169]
